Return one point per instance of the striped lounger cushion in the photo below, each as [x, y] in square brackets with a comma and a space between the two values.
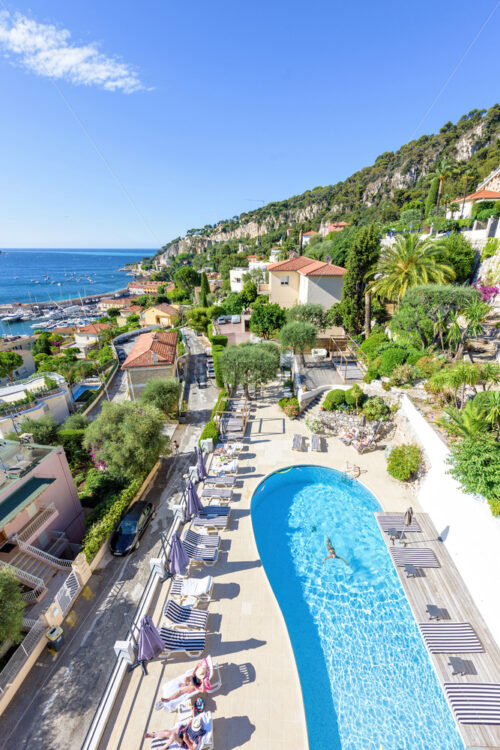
[203, 540]
[422, 557]
[223, 481]
[211, 522]
[396, 522]
[214, 510]
[474, 703]
[450, 638]
[183, 640]
[195, 552]
[217, 493]
[194, 618]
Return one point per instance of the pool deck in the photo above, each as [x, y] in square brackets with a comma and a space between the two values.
[260, 704]
[444, 588]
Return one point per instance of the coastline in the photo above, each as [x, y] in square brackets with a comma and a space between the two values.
[69, 301]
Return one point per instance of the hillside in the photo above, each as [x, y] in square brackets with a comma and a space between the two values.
[375, 193]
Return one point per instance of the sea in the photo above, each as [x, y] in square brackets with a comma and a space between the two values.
[34, 275]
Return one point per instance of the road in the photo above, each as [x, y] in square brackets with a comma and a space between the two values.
[54, 707]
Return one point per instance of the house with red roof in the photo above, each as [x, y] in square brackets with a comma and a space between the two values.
[307, 237]
[86, 337]
[154, 355]
[335, 226]
[301, 280]
[487, 190]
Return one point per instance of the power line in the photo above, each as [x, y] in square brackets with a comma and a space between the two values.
[459, 63]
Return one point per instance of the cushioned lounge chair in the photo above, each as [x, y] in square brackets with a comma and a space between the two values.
[450, 638]
[191, 642]
[474, 702]
[206, 742]
[202, 540]
[192, 590]
[185, 617]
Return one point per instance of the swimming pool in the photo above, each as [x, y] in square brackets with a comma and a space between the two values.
[366, 679]
[79, 389]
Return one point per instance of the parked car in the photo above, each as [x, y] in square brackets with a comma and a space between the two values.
[221, 320]
[129, 530]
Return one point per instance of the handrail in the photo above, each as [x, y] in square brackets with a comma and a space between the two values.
[20, 573]
[40, 518]
[42, 555]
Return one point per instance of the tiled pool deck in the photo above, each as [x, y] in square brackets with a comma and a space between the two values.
[260, 703]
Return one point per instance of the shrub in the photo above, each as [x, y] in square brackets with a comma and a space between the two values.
[490, 248]
[376, 410]
[427, 366]
[334, 399]
[210, 431]
[414, 356]
[355, 396]
[72, 442]
[288, 383]
[371, 374]
[391, 358]
[404, 461]
[220, 404]
[217, 350]
[283, 402]
[402, 374]
[292, 408]
[219, 340]
[372, 343]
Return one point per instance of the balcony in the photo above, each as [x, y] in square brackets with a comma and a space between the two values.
[38, 523]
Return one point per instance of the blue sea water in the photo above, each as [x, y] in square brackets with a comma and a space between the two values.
[367, 681]
[20, 269]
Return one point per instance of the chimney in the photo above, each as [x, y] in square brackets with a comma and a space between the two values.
[154, 357]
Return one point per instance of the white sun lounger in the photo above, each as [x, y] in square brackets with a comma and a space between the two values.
[450, 638]
[190, 591]
[217, 492]
[205, 743]
[474, 702]
[316, 443]
[297, 443]
[213, 523]
[422, 557]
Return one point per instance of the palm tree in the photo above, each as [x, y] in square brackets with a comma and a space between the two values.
[443, 168]
[490, 374]
[439, 327]
[466, 323]
[467, 173]
[490, 410]
[408, 262]
[466, 423]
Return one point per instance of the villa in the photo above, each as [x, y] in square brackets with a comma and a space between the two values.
[87, 337]
[301, 280]
[163, 315]
[154, 355]
[33, 398]
[145, 286]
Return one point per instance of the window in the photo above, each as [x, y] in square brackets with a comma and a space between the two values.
[284, 280]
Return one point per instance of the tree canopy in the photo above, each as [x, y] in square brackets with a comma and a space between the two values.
[363, 255]
[187, 278]
[298, 336]
[44, 430]
[307, 313]
[126, 438]
[9, 361]
[267, 319]
[249, 364]
[163, 393]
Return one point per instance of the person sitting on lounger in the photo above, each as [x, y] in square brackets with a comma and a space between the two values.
[186, 735]
[331, 553]
[193, 683]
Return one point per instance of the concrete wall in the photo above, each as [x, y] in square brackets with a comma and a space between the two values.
[285, 296]
[137, 377]
[465, 522]
[56, 404]
[321, 290]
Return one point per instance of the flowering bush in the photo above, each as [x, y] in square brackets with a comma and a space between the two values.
[292, 408]
[487, 292]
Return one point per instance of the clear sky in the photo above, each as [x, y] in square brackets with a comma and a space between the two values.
[201, 110]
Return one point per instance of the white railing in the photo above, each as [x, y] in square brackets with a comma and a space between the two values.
[37, 522]
[20, 655]
[23, 575]
[68, 592]
[41, 555]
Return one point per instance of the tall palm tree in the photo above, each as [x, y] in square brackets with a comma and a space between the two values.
[408, 262]
[443, 168]
[467, 173]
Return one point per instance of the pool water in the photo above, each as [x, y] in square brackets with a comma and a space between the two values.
[77, 392]
[366, 678]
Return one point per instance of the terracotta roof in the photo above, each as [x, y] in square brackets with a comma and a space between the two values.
[145, 282]
[153, 349]
[93, 328]
[132, 309]
[165, 308]
[118, 302]
[335, 226]
[307, 267]
[62, 330]
[481, 195]
[309, 234]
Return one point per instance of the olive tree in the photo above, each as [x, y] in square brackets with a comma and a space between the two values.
[299, 337]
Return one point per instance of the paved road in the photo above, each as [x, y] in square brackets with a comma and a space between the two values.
[53, 709]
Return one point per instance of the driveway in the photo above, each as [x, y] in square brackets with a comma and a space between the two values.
[54, 707]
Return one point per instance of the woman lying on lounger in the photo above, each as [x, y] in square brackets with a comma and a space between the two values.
[331, 553]
[186, 735]
[193, 683]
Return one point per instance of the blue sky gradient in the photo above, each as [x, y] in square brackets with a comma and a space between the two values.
[238, 102]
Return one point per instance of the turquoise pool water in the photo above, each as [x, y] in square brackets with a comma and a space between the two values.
[77, 392]
[366, 679]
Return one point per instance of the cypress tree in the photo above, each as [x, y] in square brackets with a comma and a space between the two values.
[204, 291]
[431, 200]
[363, 254]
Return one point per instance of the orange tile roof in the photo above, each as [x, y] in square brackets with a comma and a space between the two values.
[153, 349]
[165, 308]
[118, 302]
[63, 331]
[131, 309]
[94, 328]
[309, 234]
[481, 195]
[307, 267]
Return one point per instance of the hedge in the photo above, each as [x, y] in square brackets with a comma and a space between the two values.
[220, 404]
[219, 339]
[112, 513]
[217, 349]
[210, 431]
[334, 399]
[391, 358]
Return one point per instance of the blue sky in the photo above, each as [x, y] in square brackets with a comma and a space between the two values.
[203, 109]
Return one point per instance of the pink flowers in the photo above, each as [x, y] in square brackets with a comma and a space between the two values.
[487, 292]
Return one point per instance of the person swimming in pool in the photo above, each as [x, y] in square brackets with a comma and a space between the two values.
[332, 554]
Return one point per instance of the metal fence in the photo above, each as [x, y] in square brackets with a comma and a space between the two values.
[21, 654]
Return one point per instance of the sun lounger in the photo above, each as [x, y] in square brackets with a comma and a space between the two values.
[217, 492]
[422, 557]
[211, 511]
[185, 617]
[348, 437]
[192, 590]
[197, 554]
[362, 446]
[387, 522]
[202, 540]
[474, 702]
[172, 686]
[316, 443]
[450, 638]
[205, 743]
[208, 523]
[222, 481]
[191, 642]
[297, 442]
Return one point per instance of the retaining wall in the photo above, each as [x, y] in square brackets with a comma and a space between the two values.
[465, 522]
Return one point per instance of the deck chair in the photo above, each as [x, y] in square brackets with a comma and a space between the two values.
[206, 742]
[185, 617]
[219, 492]
[223, 481]
[190, 642]
[206, 555]
[297, 442]
[172, 686]
[210, 524]
[202, 540]
[364, 445]
[316, 443]
[191, 591]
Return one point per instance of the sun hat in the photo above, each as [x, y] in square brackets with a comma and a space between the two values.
[201, 671]
[196, 724]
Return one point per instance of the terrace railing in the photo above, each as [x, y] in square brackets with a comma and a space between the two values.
[36, 523]
[21, 654]
[56, 562]
[22, 575]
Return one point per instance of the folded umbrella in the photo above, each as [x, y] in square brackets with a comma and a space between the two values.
[193, 504]
[179, 559]
[200, 463]
[150, 644]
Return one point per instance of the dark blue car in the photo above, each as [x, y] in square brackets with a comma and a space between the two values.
[128, 532]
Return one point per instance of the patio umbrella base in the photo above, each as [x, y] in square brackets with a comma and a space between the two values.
[142, 663]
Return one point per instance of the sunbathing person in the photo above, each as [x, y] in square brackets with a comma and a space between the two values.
[194, 683]
[332, 555]
[186, 735]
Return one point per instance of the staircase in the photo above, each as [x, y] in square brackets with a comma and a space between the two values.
[306, 411]
[34, 566]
